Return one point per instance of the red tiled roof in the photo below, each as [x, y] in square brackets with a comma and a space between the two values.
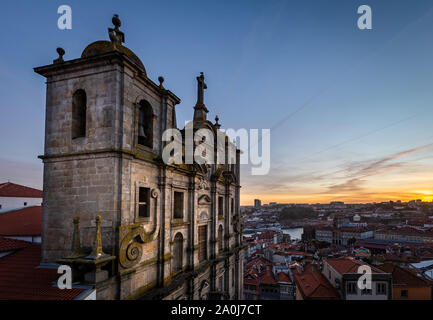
[9, 189]
[406, 230]
[295, 253]
[268, 277]
[283, 277]
[23, 222]
[348, 265]
[314, 286]
[7, 244]
[403, 277]
[258, 263]
[22, 279]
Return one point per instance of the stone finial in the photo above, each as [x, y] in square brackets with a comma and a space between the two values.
[217, 125]
[76, 244]
[61, 53]
[161, 81]
[116, 36]
[116, 21]
[97, 250]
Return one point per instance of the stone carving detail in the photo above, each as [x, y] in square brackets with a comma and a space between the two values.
[154, 193]
[134, 236]
[203, 216]
[204, 199]
[202, 184]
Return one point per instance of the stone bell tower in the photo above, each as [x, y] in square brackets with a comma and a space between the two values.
[126, 222]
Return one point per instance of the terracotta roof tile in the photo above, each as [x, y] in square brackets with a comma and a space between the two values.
[314, 286]
[403, 277]
[9, 189]
[7, 244]
[21, 278]
[348, 265]
[268, 277]
[283, 277]
[23, 222]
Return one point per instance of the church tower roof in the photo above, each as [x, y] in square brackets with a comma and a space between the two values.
[117, 37]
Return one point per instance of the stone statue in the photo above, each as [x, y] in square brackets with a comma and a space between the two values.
[201, 85]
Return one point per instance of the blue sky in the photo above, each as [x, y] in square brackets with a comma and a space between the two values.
[349, 98]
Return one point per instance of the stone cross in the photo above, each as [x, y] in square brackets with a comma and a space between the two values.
[201, 85]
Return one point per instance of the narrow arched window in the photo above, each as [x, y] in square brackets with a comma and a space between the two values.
[145, 124]
[220, 238]
[79, 111]
[178, 252]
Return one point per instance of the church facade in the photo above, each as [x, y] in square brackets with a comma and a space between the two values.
[126, 222]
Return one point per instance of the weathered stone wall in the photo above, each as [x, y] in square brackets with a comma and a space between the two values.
[100, 174]
[81, 186]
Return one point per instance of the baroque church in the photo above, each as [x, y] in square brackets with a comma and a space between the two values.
[123, 220]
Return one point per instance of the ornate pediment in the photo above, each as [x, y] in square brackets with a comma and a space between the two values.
[204, 200]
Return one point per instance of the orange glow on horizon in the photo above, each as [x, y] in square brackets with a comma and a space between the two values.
[425, 196]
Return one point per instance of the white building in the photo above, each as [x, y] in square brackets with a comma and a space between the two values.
[344, 273]
[14, 196]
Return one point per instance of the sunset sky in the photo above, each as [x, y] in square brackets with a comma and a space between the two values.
[350, 111]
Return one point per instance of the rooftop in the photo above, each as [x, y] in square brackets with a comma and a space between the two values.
[404, 277]
[313, 285]
[23, 222]
[7, 244]
[21, 278]
[9, 189]
[348, 265]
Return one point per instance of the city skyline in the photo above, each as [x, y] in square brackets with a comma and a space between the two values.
[350, 110]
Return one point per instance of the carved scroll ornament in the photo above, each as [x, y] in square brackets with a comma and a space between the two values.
[131, 247]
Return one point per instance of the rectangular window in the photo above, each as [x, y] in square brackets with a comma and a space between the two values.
[351, 288]
[232, 209]
[221, 283]
[202, 243]
[220, 206]
[178, 205]
[144, 202]
[381, 288]
[404, 293]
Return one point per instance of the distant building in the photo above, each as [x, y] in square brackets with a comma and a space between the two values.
[261, 282]
[287, 288]
[14, 196]
[343, 274]
[257, 203]
[342, 235]
[406, 285]
[312, 285]
[405, 234]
